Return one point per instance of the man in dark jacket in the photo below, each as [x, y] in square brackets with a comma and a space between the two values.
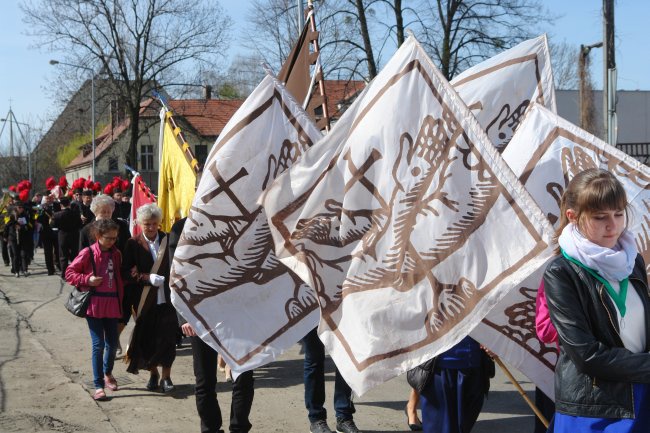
[49, 237]
[68, 221]
[18, 233]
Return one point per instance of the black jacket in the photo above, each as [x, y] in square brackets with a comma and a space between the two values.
[594, 373]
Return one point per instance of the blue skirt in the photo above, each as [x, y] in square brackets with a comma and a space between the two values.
[640, 424]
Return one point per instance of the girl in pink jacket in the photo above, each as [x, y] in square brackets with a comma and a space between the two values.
[105, 307]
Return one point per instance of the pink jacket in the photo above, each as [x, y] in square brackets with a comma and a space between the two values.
[545, 330]
[108, 302]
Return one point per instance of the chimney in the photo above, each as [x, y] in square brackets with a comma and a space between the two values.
[207, 92]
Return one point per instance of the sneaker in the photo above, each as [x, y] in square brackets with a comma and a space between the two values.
[346, 426]
[17, 275]
[319, 426]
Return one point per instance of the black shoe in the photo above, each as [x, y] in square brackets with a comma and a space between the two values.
[413, 427]
[152, 385]
[346, 426]
[167, 385]
[319, 426]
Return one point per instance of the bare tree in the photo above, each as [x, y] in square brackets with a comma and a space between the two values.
[565, 65]
[138, 45]
[460, 33]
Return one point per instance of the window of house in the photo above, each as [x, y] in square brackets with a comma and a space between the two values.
[201, 153]
[146, 157]
[113, 163]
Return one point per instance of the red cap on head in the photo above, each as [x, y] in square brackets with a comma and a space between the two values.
[23, 195]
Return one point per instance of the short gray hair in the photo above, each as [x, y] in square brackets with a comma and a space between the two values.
[102, 200]
[149, 211]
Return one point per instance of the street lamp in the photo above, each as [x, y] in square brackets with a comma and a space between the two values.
[92, 97]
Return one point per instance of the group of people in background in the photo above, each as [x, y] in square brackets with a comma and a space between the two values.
[593, 304]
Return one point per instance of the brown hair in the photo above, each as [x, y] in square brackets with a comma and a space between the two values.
[590, 191]
[101, 227]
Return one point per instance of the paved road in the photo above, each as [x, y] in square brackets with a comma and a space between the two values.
[45, 379]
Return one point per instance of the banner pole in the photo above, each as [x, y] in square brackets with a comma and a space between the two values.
[535, 409]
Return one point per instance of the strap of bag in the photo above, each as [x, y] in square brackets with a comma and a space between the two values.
[92, 260]
[154, 270]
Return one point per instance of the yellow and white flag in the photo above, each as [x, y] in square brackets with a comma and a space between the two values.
[177, 175]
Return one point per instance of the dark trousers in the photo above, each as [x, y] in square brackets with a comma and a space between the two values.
[452, 400]
[47, 240]
[5, 251]
[205, 373]
[19, 257]
[314, 377]
[68, 249]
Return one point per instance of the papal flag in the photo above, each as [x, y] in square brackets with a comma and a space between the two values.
[545, 153]
[177, 173]
[499, 90]
[226, 280]
[407, 223]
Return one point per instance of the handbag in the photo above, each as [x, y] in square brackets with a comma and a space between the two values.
[419, 376]
[78, 300]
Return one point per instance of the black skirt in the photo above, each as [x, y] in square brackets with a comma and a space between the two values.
[153, 341]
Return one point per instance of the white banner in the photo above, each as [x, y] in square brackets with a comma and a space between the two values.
[499, 90]
[545, 153]
[227, 282]
[406, 221]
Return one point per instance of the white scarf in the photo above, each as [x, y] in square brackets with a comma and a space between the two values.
[613, 264]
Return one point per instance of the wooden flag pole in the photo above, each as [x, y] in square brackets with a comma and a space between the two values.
[541, 417]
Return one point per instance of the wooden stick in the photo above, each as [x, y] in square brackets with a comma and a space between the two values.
[541, 417]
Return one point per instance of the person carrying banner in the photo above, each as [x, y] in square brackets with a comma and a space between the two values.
[547, 334]
[453, 397]
[204, 361]
[597, 293]
[146, 268]
[105, 303]
[314, 379]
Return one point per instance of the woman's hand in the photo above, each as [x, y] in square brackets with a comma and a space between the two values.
[95, 281]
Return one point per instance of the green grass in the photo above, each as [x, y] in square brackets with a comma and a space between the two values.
[71, 150]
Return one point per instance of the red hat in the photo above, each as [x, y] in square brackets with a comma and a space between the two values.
[108, 190]
[97, 187]
[24, 195]
[50, 183]
[125, 184]
[12, 188]
[88, 184]
[63, 182]
[78, 185]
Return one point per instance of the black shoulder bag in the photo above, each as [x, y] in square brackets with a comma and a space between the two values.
[78, 300]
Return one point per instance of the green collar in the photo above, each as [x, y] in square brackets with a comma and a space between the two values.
[618, 298]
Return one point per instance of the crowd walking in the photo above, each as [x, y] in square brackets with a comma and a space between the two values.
[592, 305]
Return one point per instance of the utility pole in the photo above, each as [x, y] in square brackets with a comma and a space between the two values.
[609, 73]
[585, 98]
